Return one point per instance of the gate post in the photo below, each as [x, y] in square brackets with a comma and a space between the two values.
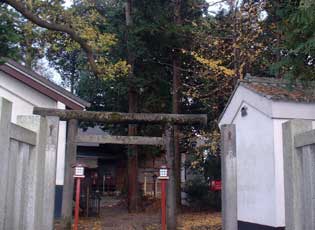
[171, 187]
[34, 190]
[293, 174]
[5, 118]
[70, 159]
[229, 177]
[41, 173]
[50, 171]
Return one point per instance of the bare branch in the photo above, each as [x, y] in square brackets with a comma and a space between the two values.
[18, 5]
[216, 2]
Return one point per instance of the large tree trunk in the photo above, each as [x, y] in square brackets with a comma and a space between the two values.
[176, 108]
[133, 194]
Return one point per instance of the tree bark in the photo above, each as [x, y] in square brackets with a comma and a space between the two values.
[133, 188]
[176, 107]
[236, 50]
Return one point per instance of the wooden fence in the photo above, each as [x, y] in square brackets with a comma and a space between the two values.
[299, 174]
[27, 170]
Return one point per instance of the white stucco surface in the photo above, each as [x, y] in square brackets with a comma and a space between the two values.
[255, 168]
[240, 96]
[260, 153]
[61, 148]
[23, 99]
[279, 176]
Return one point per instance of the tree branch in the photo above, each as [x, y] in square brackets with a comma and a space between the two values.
[18, 5]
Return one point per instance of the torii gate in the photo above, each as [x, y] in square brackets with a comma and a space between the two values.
[73, 116]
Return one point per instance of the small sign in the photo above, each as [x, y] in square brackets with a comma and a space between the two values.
[216, 185]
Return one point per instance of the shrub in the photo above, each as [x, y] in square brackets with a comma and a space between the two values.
[199, 195]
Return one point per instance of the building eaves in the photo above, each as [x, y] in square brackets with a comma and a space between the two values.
[46, 86]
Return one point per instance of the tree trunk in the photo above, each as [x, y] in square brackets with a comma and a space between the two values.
[133, 194]
[236, 51]
[176, 108]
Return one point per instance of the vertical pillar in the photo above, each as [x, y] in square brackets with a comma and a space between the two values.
[171, 187]
[308, 189]
[70, 159]
[229, 177]
[10, 190]
[293, 174]
[50, 171]
[145, 184]
[5, 118]
[163, 204]
[20, 185]
[34, 173]
[133, 186]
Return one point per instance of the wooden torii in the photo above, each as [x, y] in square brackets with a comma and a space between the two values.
[73, 116]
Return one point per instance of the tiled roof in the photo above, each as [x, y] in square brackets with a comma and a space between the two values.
[280, 90]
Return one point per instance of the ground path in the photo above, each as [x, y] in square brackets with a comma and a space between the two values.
[114, 216]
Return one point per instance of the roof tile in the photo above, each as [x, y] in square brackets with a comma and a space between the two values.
[280, 90]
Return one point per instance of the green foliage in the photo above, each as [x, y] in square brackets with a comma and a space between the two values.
[199, 195]
[9, 34]
[297, 47]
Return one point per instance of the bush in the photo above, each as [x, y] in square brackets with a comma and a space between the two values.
[200, 197]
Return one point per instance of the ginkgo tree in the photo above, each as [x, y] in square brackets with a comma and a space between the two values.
[83, 31]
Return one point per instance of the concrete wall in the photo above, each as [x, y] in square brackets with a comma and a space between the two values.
[256, 183]
[23, 99]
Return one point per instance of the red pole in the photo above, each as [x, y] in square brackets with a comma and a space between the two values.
[77, 205]
[163, 204]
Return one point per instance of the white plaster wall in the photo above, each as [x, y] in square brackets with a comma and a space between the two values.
[61, 148]
[279, 176]
[293, 110]
[256, 183]
[260, 153]
[23, 99]
[244, 95]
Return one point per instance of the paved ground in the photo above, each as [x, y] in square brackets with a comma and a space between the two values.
[114, 216]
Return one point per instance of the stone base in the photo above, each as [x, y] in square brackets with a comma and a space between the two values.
[58, 201]
[252, 226]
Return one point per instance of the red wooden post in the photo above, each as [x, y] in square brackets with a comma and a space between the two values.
[77, 205]
[163, 204]
[79, 173]
[163, 177]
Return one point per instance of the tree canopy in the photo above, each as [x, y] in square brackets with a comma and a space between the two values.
[90, 45]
